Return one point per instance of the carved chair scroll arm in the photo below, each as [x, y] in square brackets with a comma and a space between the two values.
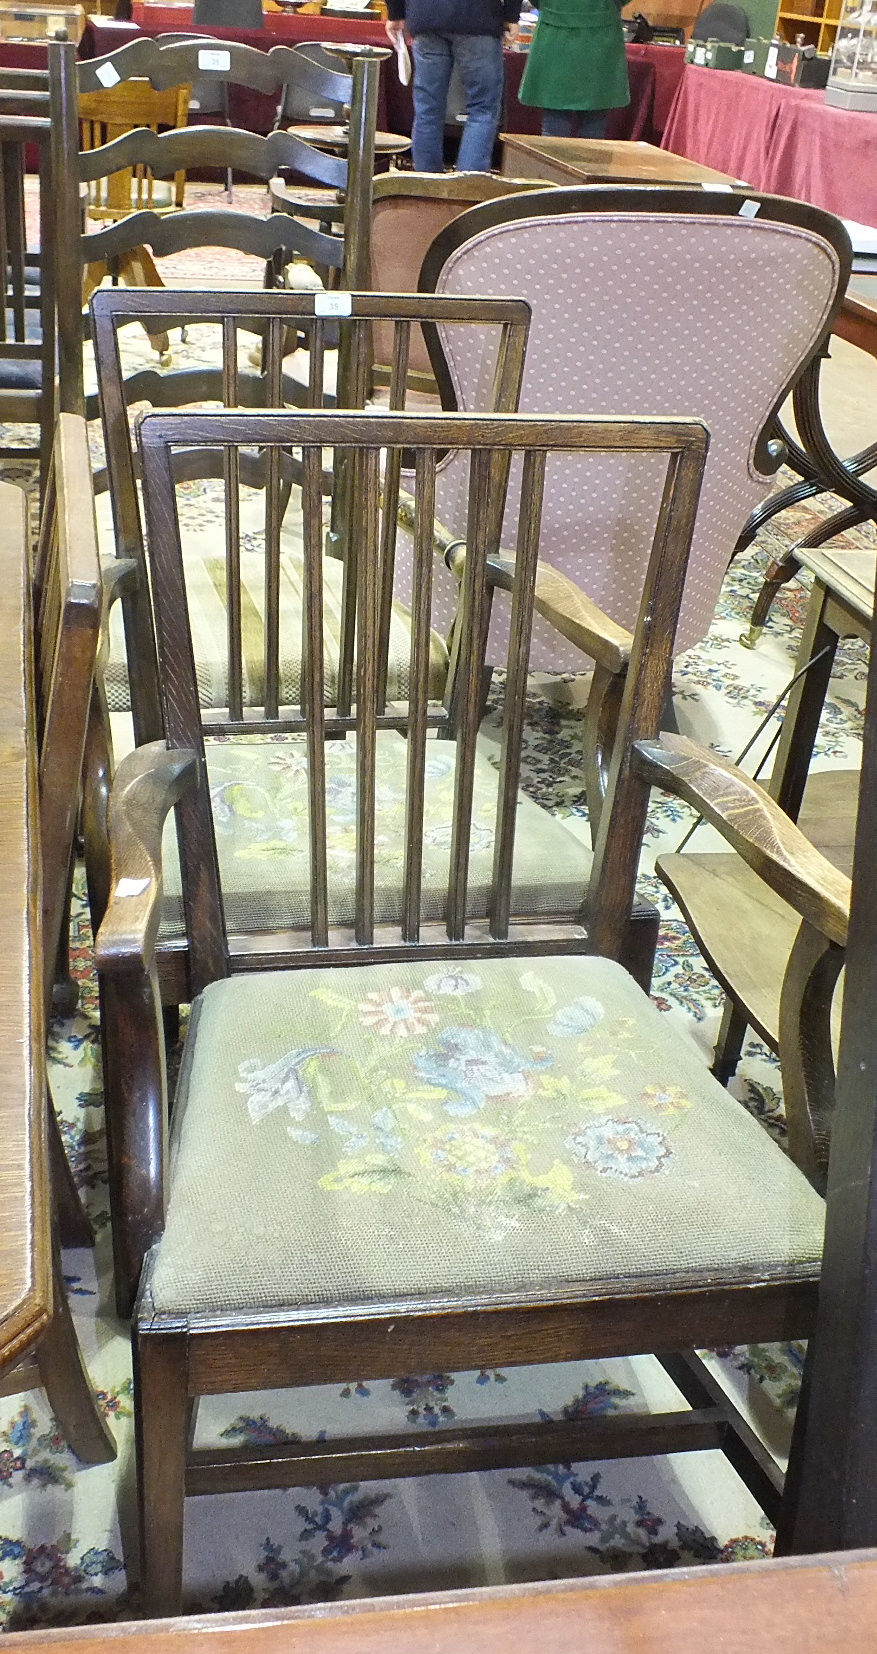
[769, 842]
[148, 783]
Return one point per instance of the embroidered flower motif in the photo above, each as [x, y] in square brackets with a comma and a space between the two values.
[621, 1148]
[453, 983]
[398, 1012]
[476, 1154]
[578, 1018]
[666, 1099]
[476, 1064]
[278, 1083]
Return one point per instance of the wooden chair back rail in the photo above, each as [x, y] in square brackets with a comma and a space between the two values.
[491, 442]
[273, 312]
[25, 1249]
[179, 63]
[203, 146]
[68, 223]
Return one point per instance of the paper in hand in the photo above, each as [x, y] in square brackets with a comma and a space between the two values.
[403, 61]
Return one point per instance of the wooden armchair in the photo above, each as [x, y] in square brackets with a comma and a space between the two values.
[110, 113]
[513, 1154]
[38, 1343]
[656, 341]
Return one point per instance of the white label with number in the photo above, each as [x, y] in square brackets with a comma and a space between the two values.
[749, 209]
[333, 304]
[718, 189]
[700, 56]
[107, 75]
[214, 60]
[770, 67]
[749, 57]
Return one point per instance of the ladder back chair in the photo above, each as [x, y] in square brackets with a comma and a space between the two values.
[589, 345]
[275, 239]
[512, 1152]
[27, 314]
[38, 1343]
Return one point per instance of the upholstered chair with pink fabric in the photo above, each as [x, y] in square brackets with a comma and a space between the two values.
[698, 301]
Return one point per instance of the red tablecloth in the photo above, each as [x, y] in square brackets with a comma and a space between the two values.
[668, 63]
[780, 139]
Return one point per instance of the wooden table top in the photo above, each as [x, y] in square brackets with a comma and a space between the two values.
[857, 322]
[848, 573]
[803, 1605]
[601, 160]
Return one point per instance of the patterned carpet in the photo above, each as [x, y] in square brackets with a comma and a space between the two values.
[67, 1534]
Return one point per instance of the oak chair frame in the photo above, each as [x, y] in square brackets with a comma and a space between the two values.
[181, 1358]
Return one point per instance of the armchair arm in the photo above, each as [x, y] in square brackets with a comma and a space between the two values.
[570, 611]
[772, 845]
[147, 783]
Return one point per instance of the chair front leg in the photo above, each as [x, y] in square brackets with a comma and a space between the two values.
[135, 1091]
[66, 1382]
[162, 1411]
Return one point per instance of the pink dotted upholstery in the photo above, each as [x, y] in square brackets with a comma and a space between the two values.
[643, 314]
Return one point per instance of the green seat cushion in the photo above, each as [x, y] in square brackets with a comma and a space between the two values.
[376, 1132]
[260, 811]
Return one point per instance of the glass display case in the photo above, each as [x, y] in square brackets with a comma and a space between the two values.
[852, 82]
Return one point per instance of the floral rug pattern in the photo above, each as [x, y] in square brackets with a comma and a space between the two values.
[67, 1532]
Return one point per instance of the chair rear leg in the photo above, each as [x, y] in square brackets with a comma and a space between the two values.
[66, 1382]
[162, 1411]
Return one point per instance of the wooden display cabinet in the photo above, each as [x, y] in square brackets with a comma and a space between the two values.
[816, 20]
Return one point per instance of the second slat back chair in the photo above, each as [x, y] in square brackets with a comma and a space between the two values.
[234, 681]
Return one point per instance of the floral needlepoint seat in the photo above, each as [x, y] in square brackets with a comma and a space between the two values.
[500, 1126]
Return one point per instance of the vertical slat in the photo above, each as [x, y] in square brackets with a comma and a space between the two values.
[68, 279]
[526, 555]
[4, 244]
[356, 267]
[13, 197]
[418, 688]
[313, 691]
[365, 476]
[353, 357]
[232, 476]
[199, 863]
[468, 690]
[48, 265]
[389, 522]
[316, 364]
[274, 368]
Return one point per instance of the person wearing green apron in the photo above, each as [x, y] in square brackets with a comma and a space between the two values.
[577, 67]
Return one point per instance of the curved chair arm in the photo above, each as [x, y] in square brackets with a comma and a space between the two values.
[754, 826]
[571, 612]
[148, 782]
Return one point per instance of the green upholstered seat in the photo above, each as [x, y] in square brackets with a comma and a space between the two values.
[259, 792]
[381, 1131]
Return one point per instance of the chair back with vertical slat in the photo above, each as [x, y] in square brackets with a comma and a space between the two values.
[27, 312]
[337, 757]
[67, 615]
[505, 321]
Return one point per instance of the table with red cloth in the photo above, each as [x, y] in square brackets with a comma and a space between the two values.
[783, 140]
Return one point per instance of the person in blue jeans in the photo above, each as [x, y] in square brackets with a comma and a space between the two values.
[470, 34]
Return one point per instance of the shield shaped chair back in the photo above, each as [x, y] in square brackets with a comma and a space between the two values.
[630, 293]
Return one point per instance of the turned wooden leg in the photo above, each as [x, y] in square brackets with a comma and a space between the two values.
[65, 1379]
[779, 573]
[74, 1224]
[729, 1045]
[162, 1410]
